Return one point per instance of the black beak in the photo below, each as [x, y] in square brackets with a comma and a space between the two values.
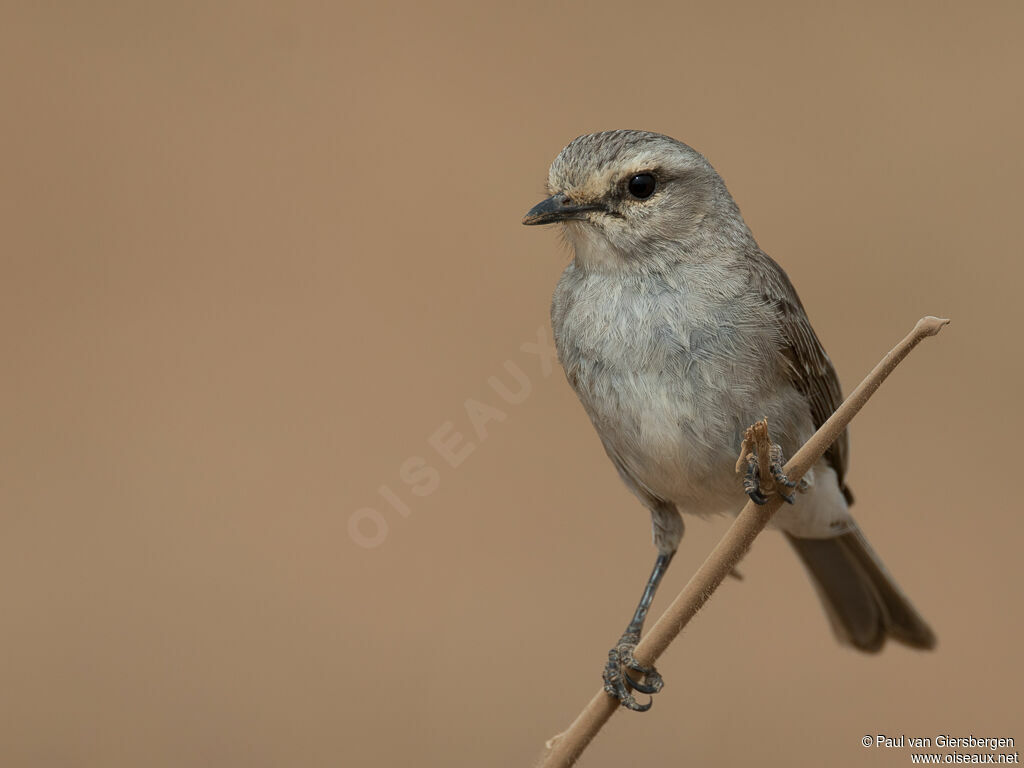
[557, 208]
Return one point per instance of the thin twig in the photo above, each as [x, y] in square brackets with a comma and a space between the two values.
[565, 748]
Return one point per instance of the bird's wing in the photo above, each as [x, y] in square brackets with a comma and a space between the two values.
[810, 369]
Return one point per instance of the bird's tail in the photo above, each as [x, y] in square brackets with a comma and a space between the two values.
[861, 599]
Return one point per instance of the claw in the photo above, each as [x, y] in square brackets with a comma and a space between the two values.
[631, 703]
[636, 685]
[780, 477]
[757, 498]
[651, 677]
[752, 483]
[752, 478]
[620, 691]
[619, 683]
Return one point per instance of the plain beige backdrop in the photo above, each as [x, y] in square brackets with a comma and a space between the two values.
[260, 259]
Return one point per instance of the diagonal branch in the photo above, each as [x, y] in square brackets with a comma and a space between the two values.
[565, 748]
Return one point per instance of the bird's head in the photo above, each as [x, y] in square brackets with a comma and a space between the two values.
[623, 196]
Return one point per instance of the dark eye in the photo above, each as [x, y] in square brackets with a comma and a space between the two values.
[641, 186]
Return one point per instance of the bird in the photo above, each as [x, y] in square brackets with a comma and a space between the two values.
[677, 332]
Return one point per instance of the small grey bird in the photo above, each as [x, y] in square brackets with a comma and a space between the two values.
[677, 332]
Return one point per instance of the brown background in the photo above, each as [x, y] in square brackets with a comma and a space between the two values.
[254, 256]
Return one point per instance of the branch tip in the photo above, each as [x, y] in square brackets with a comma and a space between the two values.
[929, 325]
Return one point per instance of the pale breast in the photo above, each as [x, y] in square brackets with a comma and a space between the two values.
[658, 370]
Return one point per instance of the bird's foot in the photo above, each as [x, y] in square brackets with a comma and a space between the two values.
[618, 681]
[781, 484]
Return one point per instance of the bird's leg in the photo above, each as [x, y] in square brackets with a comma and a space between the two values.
[752, 477]
[617, 680]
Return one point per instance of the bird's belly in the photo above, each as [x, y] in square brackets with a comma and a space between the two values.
[680, 446]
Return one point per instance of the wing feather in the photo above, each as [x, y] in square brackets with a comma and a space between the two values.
[810, 368]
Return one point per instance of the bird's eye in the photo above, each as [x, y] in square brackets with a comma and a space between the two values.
[641, 186]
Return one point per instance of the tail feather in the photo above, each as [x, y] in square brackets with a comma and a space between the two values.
[863, 603]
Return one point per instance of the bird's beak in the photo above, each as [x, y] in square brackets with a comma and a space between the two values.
[557, 208]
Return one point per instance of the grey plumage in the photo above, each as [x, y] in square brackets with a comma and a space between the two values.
[861, 599]
[677, 332]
